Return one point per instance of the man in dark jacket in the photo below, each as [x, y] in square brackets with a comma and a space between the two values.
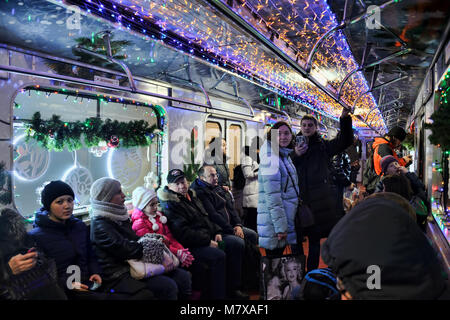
[189, 223]
[378, 252]
[219, 205]
[216, 154]
[312, 160]
[341, 178]
[354, 152]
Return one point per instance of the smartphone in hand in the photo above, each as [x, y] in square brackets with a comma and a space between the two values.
[93, 285]
[301, 140]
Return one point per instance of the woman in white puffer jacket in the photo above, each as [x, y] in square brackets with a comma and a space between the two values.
[278, 189]
[250, 167]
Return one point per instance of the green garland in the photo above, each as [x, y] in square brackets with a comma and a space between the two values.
[408, 143]
[440, 127]
[56, 135]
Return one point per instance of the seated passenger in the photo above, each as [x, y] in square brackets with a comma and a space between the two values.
[378, 252]
[147, 219]
[115, 242]
[66, 239]
[25, 272]
[418, 197]
[219, 205]
[188, 221]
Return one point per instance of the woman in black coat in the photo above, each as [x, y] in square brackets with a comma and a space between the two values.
[25, 272]
[115, 242]
[66, 239]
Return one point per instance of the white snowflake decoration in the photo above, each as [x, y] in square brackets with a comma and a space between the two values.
[151, 180]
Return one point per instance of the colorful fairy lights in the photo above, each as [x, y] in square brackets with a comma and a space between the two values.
[294, 26]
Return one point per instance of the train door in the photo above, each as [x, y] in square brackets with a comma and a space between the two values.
[233, 132]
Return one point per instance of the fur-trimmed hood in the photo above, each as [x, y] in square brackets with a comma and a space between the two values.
[166, 194]
[13, 233]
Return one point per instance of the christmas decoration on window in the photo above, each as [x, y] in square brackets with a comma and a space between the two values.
[113, 142]
[440, 135]
[151, 180]
[99, 150]
[55, 134]
[30, 161]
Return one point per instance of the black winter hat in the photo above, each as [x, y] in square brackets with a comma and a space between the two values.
[398, 133]
[54, 190]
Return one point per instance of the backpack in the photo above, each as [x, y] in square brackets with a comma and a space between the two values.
[239, 179]
[370, 177]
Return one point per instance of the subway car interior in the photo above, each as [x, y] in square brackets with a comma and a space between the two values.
[162, 78]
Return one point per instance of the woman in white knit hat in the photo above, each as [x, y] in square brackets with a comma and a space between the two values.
[147, 219]
[115, 242]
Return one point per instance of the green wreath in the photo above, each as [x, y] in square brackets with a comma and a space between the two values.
[55, 134]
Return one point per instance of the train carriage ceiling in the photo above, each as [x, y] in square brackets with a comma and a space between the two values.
[368, 55]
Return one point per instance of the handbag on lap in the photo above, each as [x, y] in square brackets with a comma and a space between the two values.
[156, 258]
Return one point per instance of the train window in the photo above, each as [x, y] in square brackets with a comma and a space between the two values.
[34, 165]
[234, 138]
[213, 130]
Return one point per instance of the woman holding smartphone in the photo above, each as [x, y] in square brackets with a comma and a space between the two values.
[66, 239]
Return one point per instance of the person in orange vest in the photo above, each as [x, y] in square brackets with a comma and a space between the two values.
[384, 146]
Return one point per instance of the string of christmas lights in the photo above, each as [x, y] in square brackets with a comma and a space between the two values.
[193, 28]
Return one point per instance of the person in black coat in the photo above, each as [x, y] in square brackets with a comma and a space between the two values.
[115, 242]
[66, 239]
[219, 205]
[313, 163]
[216, 154]
[378, 252]
[189, 224]
[416, 189]
[341, 178]
[26, 273]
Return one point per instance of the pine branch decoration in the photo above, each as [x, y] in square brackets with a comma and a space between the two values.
[55, 134]
[440, 127]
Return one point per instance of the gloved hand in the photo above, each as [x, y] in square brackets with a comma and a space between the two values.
[185, 257]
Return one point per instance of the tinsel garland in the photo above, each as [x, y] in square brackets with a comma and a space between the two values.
[55, 134]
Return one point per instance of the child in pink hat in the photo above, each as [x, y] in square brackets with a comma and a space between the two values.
[147, 219]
